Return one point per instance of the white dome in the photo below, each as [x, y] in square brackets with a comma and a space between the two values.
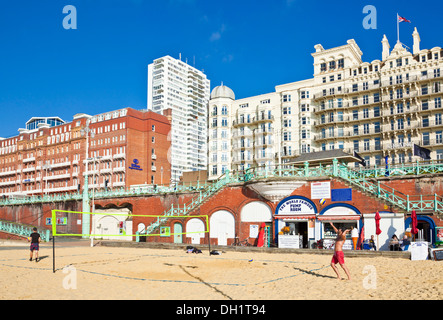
[222, 92]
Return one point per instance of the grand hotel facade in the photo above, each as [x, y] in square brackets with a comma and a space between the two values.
[378, 109]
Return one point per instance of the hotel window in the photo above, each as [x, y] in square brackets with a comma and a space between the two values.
[341, 63]
[438, 119]
[365, 113]
[354, 87]
[425, 122]
[365, 99]
[304, 94]
[224, 110]
[400, 124]
[424, 89]
[438, 137]
[439, 154]
[304, 107]
[340, 103]
[355, 114]
[366, 145]
[366, 128]
[287, 98]
[323, 67]
[376, 127]
[331, 65]
[355, 129]
[424, 105]
[399, 79]
[437, 103]
[365, 85]
[399, 62]
[400, 108]
[377, 144]
[376, 111]
[356, 145]
[436, 73]
[426, 140]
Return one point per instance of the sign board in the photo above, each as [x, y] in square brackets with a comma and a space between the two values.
[295, 206]
[253, 231]
[419, 250]
[60, 221]
[439, 235]
[341, 194]
[289, 242]
[320, 190]
[437, 254]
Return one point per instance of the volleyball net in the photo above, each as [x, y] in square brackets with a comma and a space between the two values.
[110, 224]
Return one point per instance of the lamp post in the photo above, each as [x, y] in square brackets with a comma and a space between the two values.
[94, 160]
[86, 218]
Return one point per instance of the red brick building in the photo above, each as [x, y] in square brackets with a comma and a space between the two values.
[122, 147]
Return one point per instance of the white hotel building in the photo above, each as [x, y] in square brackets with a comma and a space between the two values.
[184, 92]
[378, 109]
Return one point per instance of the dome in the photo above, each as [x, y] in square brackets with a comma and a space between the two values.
[222, 92]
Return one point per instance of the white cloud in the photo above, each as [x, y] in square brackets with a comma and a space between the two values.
[217, 34]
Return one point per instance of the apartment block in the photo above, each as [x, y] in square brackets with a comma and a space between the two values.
[176, 86]
[112, 150]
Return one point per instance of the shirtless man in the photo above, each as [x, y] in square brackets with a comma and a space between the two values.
[339, 257]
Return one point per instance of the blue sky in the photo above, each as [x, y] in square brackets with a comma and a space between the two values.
[251, 46]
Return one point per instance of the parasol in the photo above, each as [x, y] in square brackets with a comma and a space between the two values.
[414, 229]
[261, 235]
[377, 227]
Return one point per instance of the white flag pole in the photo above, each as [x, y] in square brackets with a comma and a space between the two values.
[398, 28]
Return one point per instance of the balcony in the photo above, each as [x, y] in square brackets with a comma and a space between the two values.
[119, 156]
[60, 164]
[57, 176]
[30, 159]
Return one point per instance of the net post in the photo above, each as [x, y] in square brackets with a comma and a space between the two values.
[53, 253]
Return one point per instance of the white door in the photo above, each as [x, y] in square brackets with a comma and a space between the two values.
[222, 226]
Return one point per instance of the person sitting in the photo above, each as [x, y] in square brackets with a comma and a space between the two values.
[405, 243]
[394, 243]
[372, 244]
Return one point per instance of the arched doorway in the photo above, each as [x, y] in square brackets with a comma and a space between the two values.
[254, 214]
[222, 226]
[195, 229]
[178, 230]
[426, 224]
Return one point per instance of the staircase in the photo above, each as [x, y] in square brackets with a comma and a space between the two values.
[389, 194]
[196, 202]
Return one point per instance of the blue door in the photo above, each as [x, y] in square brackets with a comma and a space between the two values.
[178, 230]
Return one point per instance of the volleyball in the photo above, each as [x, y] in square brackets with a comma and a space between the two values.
[322, 201]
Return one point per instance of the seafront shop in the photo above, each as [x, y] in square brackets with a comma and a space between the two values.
[299, 225]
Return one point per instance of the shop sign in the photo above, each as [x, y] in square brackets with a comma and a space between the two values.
[295, 206]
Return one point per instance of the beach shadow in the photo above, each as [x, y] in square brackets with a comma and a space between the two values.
[314, 274]
[42, 257]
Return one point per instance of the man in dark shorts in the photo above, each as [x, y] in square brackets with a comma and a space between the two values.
[35, 241]
[339, 256]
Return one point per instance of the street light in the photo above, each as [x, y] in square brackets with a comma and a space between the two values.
[85, 132]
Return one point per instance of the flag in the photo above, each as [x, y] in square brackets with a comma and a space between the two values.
[422, 152]
[401, 19]
[362, 161]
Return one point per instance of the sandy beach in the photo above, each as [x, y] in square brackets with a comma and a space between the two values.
[139, 273]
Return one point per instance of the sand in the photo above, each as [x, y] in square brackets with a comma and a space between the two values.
[138, 273]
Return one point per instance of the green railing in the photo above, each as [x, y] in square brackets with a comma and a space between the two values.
[366, 179]
[23, 230]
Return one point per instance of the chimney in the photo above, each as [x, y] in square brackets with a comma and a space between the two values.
[386, 47]
[416, 37]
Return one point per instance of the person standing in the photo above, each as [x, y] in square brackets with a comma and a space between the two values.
[354, 237]
[35, 241]
[339, 256]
